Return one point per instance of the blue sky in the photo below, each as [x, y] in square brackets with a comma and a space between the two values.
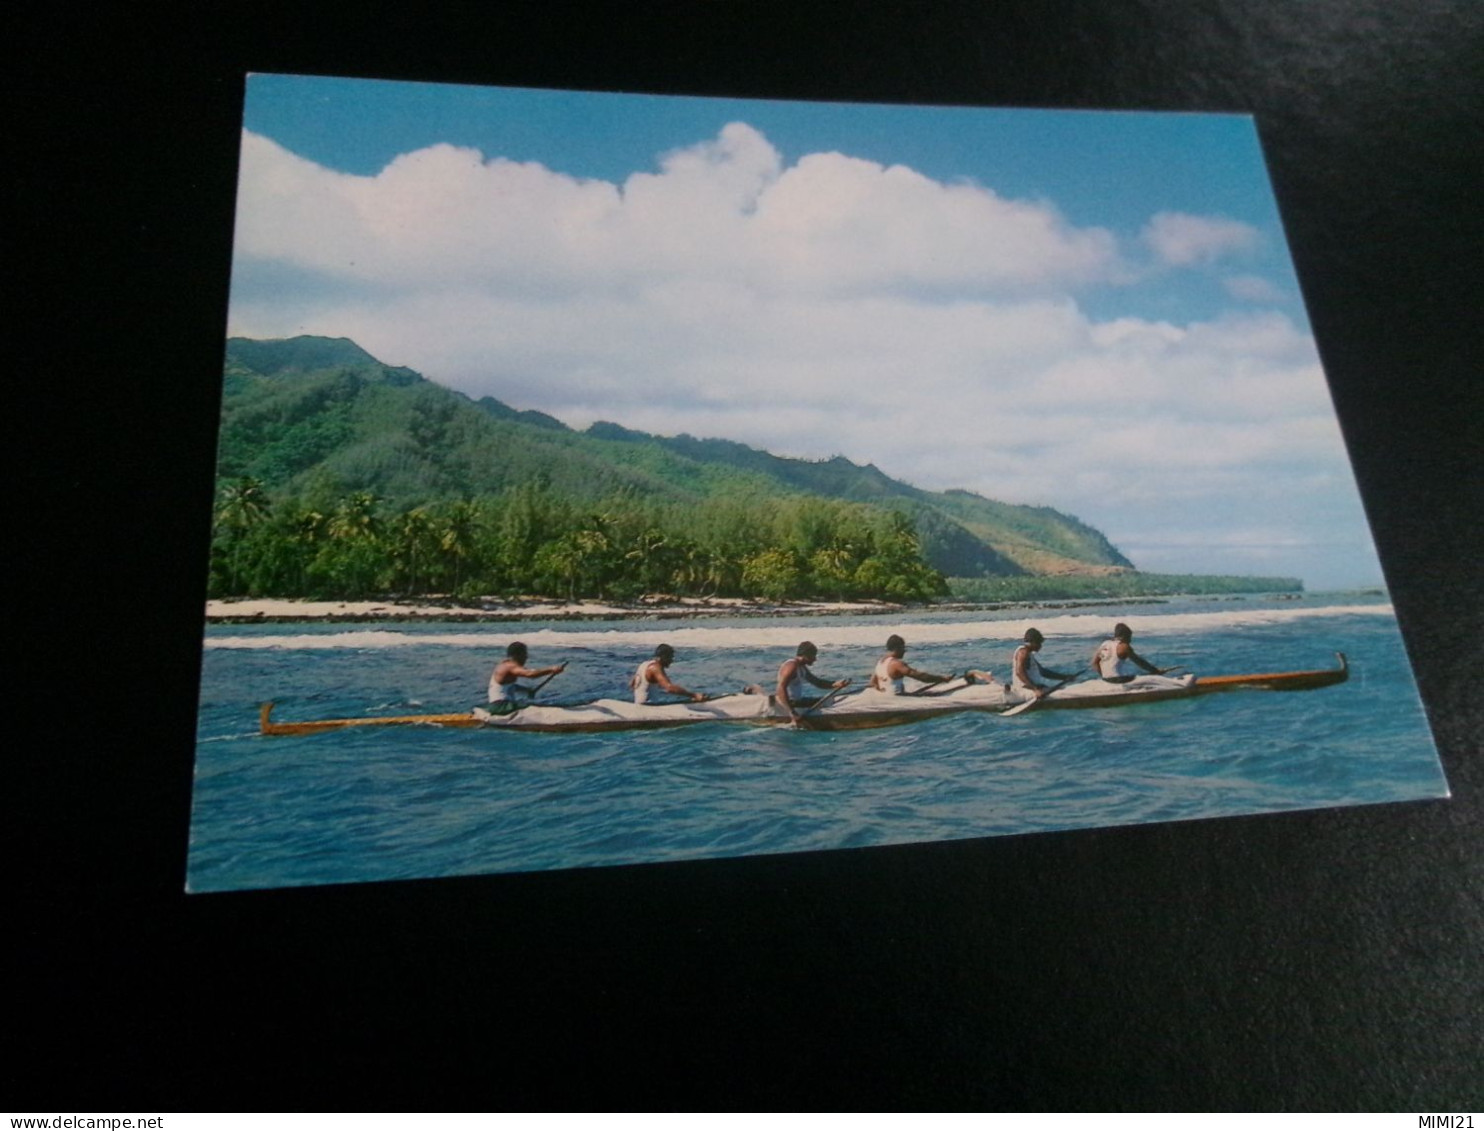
[1094, 311]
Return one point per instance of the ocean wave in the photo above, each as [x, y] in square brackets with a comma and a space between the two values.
[827, 632]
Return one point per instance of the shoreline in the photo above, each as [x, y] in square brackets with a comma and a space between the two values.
[295, 611]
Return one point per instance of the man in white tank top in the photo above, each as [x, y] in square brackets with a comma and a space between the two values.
[891, 670]
[795, 679]
[1028, 674]
[651, 673]
[505, 695]
[1115, 659]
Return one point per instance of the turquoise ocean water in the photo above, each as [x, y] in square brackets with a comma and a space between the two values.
[414, 802]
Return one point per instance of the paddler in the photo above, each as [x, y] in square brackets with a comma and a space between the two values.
[795, 679]
[505, 695]
[1115, 658]
[891, 669]
[1029, 674]
[651, 673]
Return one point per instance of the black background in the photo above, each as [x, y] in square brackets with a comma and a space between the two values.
[1327, 960]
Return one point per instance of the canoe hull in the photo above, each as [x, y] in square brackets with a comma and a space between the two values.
[1085, 695]
[1119, 698]
[862, 720]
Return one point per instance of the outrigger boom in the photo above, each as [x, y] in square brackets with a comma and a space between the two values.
[1277, 681]
[314, 726]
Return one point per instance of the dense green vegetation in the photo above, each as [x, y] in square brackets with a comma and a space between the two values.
[1115, 586]
[534, 539]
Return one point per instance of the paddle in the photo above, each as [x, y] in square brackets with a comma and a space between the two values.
[547, 680]
[818, 703]
[530, 692]
[935, 683]
[747, 689]
[1029, 703]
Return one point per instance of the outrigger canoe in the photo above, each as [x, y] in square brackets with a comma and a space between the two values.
[862, 710]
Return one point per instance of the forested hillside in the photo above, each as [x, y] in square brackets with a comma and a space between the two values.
[341, 476]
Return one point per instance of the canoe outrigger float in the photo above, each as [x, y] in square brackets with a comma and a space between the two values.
[863, 710]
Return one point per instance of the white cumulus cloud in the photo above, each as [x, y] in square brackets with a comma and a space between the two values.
[447, 217]
[1253, 288]
[1180, 239]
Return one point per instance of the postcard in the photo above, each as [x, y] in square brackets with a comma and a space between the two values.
[616, 478]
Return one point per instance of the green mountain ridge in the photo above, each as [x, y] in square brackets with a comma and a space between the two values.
[315, 417]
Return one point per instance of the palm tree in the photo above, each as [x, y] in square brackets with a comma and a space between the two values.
[647, 557]
[832, 567]
[413, 546]
[307, 531]
[353, 558]
[355, 518]
[561, 559]
[593, 554]
[723, 573]
[458, 537]
[244, 506]
[689, 574]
